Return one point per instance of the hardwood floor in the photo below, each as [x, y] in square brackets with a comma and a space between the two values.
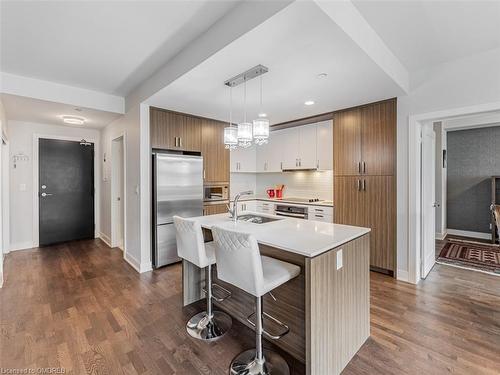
[81, 307]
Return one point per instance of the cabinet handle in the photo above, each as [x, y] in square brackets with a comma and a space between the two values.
[318, 215]
[300, 162]
[281, 166]
[358, 185]
[180, 142]
[318, 209]
[364, 185]
[175, 141]
[203, 173]
[359, 167]
[317, 164]
[364, 167]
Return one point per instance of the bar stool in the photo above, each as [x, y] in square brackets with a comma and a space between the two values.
[208, 325]
[239, 263]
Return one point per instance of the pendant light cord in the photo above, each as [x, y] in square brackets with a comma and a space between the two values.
[245, 101]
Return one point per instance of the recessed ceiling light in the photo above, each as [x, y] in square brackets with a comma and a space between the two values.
[73, 120]
[78, 109]
[322, 75]
[309, 102]
[262, 114]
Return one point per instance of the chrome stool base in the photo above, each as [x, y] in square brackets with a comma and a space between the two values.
[246, 364]
[202, 328]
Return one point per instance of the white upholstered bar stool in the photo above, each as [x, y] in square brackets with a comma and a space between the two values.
[239, 263]
[207, 325]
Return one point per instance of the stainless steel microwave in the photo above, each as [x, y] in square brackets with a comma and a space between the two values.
[216, 193]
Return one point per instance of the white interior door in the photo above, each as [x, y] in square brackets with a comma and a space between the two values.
[428, 253]
[117, 186]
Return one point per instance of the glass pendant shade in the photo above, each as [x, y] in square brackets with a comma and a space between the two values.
[261, 130]
[245, 134]
[231, 137]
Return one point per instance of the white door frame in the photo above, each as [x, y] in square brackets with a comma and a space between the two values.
[97, 194]
[122, 135]
[414, 177]
[5, 194]
[426, 253]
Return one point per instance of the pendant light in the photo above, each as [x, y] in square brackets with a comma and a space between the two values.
[230, 132]
[261, 125]
[245, 129]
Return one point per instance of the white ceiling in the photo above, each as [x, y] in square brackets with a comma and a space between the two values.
[108, 46]
[425, 33]
[20, 108]
[296, 45]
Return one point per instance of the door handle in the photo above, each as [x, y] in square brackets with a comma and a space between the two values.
[435, 204]
[45, 194]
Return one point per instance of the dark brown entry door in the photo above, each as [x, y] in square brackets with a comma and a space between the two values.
[65, 191]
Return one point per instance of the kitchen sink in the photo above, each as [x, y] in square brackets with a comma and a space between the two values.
[256, 219]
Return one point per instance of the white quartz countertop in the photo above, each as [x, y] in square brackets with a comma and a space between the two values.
[246, 198]
[305, 237]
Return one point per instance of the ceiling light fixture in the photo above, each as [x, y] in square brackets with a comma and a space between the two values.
[246, 132]
[261, 125]
[230, 132]
[245, 129]
[309, 102]
[73, 120]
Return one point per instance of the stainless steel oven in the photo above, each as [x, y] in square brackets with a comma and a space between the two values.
[215, 193]
[298, 212]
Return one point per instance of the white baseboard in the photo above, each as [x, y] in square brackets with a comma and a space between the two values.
[146, 267]
[133, 262]
[402, 275]
[106, 239]
[441, 236]
[466, 233]
[21, 246]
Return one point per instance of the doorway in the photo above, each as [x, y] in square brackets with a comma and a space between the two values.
[65, 191]
[118, 178]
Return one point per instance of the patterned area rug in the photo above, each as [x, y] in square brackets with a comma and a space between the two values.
[471, 255]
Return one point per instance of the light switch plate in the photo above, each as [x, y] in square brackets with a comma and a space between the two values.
[339, 259]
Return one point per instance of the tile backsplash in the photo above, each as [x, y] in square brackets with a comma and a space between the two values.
[302, 184]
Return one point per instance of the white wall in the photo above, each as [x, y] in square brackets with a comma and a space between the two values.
[21, 141]
[473, 80]
[129, 126]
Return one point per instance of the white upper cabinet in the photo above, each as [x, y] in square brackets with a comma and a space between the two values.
[243, 159]
[303, 147]
[324, 132]
[307, 147]
[289, 144]
[269, 155]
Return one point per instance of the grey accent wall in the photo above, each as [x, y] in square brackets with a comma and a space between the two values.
[473, 157]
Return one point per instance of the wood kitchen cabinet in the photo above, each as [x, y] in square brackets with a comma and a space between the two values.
[365, 140]
[364, 149]
[347, 142]
[369, 201]
[174, 131]
[378, 139]
[215, 155]
[214, 209]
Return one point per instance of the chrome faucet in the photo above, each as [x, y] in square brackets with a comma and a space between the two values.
[234, 211]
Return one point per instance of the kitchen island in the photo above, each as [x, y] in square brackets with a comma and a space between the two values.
[327, 306]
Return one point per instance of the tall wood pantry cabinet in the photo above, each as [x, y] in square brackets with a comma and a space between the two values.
[364, 147]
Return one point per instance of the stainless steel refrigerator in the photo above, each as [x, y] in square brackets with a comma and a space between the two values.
[177, 190]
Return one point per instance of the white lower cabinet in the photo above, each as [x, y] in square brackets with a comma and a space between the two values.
[247, 206]
[265, 207]
[320, 213]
